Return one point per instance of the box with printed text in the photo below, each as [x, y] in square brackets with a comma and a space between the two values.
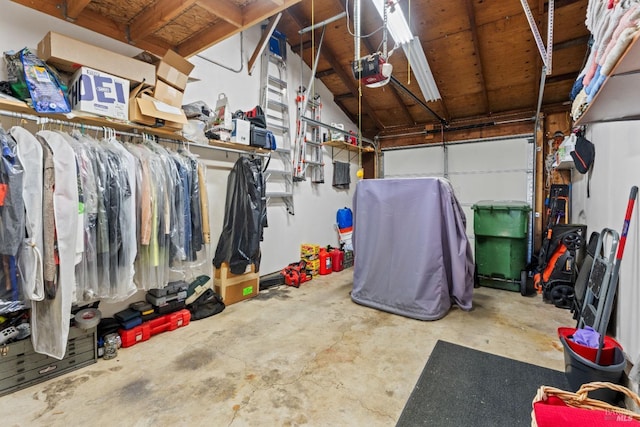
[99, 93]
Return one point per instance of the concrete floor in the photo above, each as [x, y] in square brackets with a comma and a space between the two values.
[289, 357]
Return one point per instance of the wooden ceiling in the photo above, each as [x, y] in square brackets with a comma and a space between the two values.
[482, 53]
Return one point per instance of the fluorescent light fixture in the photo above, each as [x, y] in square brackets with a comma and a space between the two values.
[413, 50]
[396, 23]
[401, 33]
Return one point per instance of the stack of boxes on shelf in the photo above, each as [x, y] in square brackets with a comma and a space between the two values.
[236, 287]
[163, 106]
[108, 84]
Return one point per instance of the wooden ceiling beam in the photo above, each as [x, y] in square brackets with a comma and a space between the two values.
[579, 41]
[561, 78]
[258, 11]
[343, 96]
[73, 8]
[325, 73]
[477, 53]
[224, 9]
[95, 22]
[297, 49]
[205, 38]
[347, 79]
[155, 16]
[252, 14]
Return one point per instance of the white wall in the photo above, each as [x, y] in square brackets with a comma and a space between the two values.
[615, 170]
[315, 204]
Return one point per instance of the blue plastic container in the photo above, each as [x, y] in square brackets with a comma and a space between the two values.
[344, 218]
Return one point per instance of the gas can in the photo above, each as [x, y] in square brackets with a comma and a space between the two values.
[325, 261]
[337, 259]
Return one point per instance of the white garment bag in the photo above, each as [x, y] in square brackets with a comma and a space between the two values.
[50, 317]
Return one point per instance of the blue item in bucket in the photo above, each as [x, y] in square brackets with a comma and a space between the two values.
[344, 218]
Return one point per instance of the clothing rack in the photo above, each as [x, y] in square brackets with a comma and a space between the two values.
[40, 120]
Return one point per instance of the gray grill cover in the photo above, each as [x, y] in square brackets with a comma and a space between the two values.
[412, 255]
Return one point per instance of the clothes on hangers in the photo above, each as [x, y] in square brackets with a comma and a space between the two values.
[12, 216]
[50, 317]
[29, 152]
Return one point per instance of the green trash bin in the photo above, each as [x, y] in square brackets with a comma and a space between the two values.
[501, 229]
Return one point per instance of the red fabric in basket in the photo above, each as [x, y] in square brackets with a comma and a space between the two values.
[555, 413]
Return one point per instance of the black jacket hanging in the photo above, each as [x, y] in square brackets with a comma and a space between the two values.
[239, 243]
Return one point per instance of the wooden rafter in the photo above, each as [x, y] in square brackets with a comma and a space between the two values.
[155, 16]
[75, 7]
[477, 52]
[347, 79]
[253, 14]
[95, 22]
[224, 9]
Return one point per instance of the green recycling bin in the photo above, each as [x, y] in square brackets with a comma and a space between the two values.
[501, 230]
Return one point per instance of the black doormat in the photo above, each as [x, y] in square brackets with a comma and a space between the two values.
[460, 386]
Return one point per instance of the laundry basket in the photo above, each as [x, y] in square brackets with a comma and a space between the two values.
[555, 407]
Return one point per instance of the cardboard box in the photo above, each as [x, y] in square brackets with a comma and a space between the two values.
[148, 111]
[68, 54]
[233, 293]
[235, 287]
[99, 93]
[174, 70]
[168, 94]
[241, 131]
[224, 273]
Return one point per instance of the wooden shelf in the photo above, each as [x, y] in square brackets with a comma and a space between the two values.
[234, 146]
[617, 99]
[90, 120]
[345, 146]
[21, 108]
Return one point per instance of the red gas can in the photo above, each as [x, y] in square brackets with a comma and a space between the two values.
[325, 261]
[337, 259]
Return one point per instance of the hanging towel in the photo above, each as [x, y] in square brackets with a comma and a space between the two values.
[341, 175]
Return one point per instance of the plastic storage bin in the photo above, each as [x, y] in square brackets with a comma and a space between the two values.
[501, 229]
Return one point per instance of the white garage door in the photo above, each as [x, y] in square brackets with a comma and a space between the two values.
[486, 169]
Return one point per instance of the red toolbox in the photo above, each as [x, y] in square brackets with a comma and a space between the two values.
[143, 332]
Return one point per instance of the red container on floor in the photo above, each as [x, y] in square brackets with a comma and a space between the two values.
[337, 259]
[168, 322]
[589, 353]
[325, 261]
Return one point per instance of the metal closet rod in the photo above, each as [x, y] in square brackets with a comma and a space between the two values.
[46, 120]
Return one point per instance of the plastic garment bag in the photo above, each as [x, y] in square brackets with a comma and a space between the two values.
[245, 207]
[196, 210]
[12, 222]
[152, 261]
[87, 269]
[50, 317]
[122, 209]
[30, 259]
[127, 218]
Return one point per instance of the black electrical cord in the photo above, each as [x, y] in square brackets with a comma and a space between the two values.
[398, 84]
